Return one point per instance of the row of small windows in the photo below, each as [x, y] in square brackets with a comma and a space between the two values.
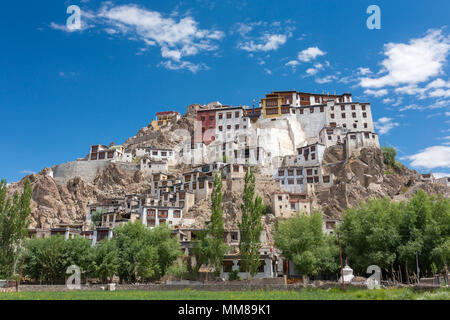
[315, 179]
[343, 115]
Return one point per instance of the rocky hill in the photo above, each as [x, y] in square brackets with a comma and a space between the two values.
[357, 178]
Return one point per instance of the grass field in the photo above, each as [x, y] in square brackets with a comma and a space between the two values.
[306, 294]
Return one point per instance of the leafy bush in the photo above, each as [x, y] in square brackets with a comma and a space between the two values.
[234, 275]
[389, 155]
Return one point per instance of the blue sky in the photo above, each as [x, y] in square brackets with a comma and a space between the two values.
[62, 90]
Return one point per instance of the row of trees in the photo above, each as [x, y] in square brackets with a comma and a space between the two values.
[136, 253]
[378, 232]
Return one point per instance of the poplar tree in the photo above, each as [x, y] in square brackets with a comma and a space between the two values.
[14, 213]
[251, 226]
[216, 229]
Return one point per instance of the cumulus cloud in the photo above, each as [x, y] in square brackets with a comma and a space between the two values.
[262, 36]
[385, 124]
[431, 157]
[177, 38]
[376, 93]
[194, 68]
[266, 42]
[326, 79]
[310, 54]
[413, 62]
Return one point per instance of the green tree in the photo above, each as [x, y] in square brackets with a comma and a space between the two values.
[105, 261]
[251, 226]
[389, 154]
[370, 234]
[168, 248]
[301, 240]
[96, 218]
[210, 248]
[44, 260]
[138, 259]
[14, 222]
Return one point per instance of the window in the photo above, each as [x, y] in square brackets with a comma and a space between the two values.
[280, 198]
[321, 109]
[342, 107]
[164, 154]
[220, 115]
[343, 115]
[309, 180]
[301, 111]
[203, 118]
[237, 127]
[292, 206]
[332, 108]
[353, 107]
[353, 137]
[363, 107]
[329, 137]
[313, 156]
[313, 148]
[353, 114]
[220, 128]
[344, 125]
[228, 115]
[332, 116]
[236, 114]
[311, 110]
[228, 127]
[326, 179]
[316, 179]
[364, 115]
[309, 172]
[291, 181]
[366, 135]
[211, 117]
[355, 126]
[299, 181]
[280, 173]
[177, 214]
[290, 172]
[365, 125]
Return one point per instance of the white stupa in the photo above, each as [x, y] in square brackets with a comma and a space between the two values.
[348, 275]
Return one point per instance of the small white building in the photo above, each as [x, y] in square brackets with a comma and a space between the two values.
[153, 216]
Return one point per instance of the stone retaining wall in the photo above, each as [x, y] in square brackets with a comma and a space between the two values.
[87, 170]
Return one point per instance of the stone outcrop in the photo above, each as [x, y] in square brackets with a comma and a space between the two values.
[365, 176]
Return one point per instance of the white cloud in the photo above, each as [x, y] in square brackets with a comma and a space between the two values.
[439, 83]
[27, 172]
[194, 68]
[438, 175]
[376, 93]
[310, 54]
[325, 79]
[431, 157]
[364, 71]
[437, 105]
[384, 125]
[292, 63]
[267, 42]
[412, 63]
[268, 71]
[262, 36]
[440, 93]
[177, 39]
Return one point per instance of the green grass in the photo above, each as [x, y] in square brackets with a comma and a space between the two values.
[305, 294]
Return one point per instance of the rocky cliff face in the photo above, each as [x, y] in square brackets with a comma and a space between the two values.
[366, 176]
